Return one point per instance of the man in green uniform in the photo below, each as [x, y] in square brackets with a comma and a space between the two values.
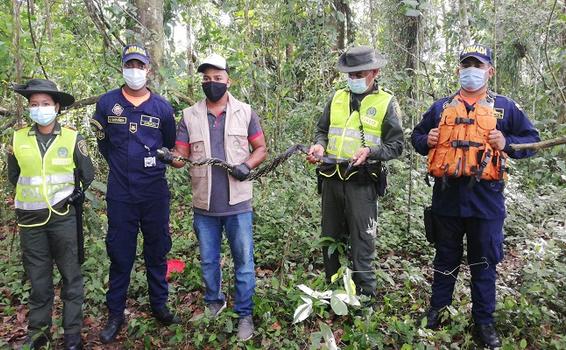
[42, 165]
[359, 128]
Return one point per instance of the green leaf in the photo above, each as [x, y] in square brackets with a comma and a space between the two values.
[328, 336]
[411, 3]
[338, 306]
[523, 344]
[303, 311]
[412, 13]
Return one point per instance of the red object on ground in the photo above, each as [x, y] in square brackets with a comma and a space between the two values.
[174, 265]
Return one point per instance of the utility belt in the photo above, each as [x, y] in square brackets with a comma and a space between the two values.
[371, 173]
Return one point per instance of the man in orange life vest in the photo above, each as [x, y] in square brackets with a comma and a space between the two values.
[467, 137]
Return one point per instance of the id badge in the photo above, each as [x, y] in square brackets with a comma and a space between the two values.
[149, 162]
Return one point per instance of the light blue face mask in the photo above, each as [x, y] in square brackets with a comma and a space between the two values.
[43, 115]
[472, 78]
[357, 86]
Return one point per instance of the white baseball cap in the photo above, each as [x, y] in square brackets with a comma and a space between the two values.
[215, 61]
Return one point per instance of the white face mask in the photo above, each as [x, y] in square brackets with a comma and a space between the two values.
[473, 78]
[357, 86]
[135, 78]
[43, 115]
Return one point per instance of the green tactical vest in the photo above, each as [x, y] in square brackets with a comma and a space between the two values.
[344, 135]
[44, 181]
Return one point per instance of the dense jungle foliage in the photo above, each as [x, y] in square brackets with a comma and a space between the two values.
[283, 55]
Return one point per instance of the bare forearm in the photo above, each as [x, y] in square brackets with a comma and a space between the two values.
[257, 157]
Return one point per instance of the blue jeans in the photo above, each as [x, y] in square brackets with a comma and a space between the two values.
[238, 229]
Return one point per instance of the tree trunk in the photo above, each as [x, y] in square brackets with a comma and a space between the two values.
[464, 23]
[150, 15]
[340, 24]
[48, 20]
[16, 30]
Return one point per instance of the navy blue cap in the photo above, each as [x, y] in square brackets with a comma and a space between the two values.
[481, 52]
[135, 52]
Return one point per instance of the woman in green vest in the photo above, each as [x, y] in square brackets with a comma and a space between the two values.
[45, 161]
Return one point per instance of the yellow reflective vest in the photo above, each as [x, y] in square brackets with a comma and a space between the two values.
[44, 181]
[345, 134]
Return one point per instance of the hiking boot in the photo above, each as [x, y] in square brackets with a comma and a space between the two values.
[216, 308]
[487, 336]
[36, 341]
[73, 341]
[165, 316]
[112, 328]
[245, 328]
[433, 318]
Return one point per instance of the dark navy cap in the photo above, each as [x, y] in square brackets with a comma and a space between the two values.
[135, 52]
[481, 52]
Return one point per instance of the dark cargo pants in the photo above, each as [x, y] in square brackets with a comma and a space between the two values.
[41, 246]
[485, 251]
[349, 214]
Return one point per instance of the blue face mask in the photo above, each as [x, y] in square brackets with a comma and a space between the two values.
[357, 86]
[43, 115]
[472, 78]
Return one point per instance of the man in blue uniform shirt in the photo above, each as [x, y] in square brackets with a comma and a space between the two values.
[131, 123]
[475, 208]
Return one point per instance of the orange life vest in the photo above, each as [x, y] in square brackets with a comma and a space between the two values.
[463, 148]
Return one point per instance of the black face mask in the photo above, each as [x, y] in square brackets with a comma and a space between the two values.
[214, 90]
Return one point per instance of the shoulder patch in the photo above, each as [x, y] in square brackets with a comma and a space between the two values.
[97, 128]
[82, 146]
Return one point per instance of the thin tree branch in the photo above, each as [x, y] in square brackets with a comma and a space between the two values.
[432, 92]
[540, 145]
[33, 41]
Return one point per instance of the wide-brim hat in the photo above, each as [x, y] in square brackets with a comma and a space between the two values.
[35, 86]
[360, 58]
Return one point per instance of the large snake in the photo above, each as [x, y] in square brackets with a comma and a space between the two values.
[256, 173]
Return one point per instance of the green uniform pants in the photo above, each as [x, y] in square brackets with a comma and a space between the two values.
[41, 246]
[349, 214]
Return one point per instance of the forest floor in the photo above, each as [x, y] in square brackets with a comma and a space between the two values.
[531, 285]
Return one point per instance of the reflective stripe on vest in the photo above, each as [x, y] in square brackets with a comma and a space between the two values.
[44, 181]
[344, 135]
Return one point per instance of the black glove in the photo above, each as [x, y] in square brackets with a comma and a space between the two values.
[241, 172]
[77, 197]
[164, 155]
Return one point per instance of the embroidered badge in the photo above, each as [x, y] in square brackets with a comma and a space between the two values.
[117, 109]
[371, 111]
[83, 148]
[116, 120]
[499, 113]
[133, 127]
[62, 152]
[149, 121]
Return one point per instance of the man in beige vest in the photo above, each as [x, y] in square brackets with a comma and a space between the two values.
[222, 127]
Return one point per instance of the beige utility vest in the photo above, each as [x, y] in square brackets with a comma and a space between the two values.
[236, 146]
